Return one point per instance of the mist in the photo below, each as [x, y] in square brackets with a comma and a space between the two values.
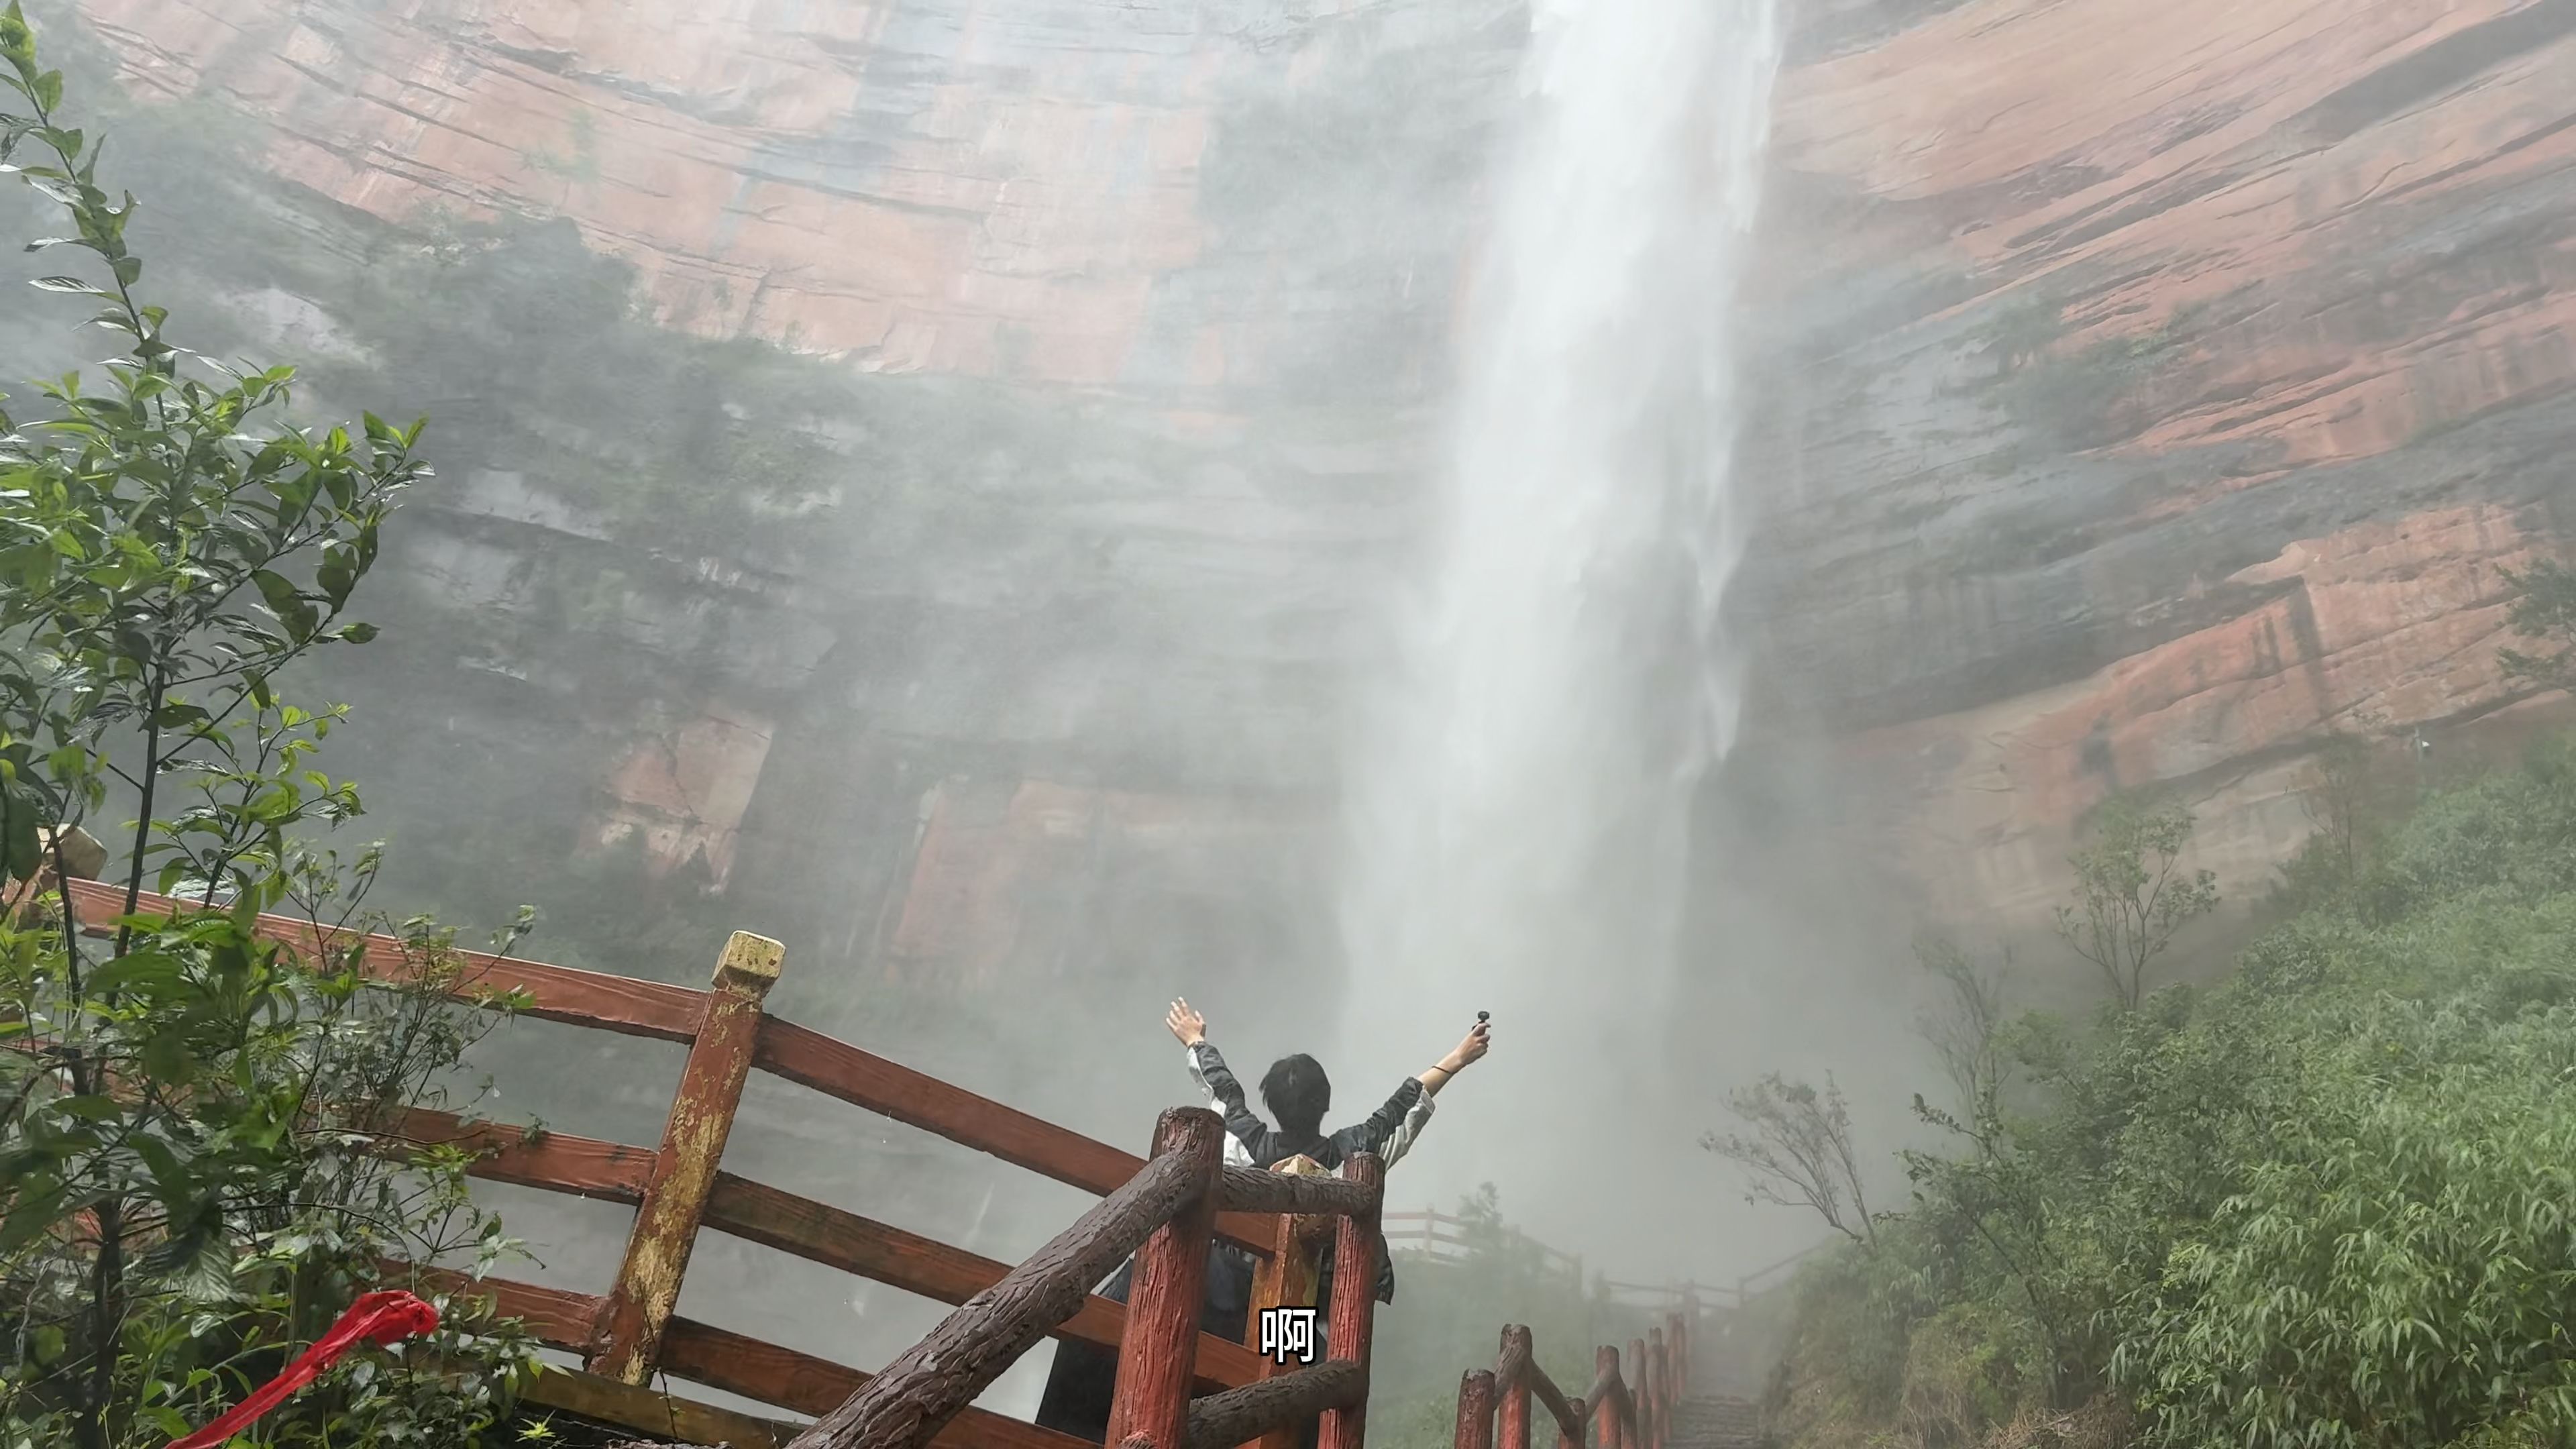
[1623, 516]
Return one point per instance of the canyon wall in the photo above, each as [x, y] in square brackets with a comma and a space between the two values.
[2146, 389]
[2153, 389]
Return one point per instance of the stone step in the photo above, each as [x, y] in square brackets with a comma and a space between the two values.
[1715, 1421]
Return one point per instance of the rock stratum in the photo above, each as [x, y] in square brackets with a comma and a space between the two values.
[2189, 376]
[2146, 390]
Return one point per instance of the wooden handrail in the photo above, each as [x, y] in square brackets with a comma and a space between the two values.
[663, 1012]
[774, 1218]
[1237, 1416]
[717, 1358]
[1165, 1210]
[862, 1078]
[1258, 1190]
[904, 1406]
[1517, 1368]
[621, 1004]
[885, 1254]
[1631, 1410]
[1614, 1411]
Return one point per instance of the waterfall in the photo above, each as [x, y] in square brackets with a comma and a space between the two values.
[1561, 678]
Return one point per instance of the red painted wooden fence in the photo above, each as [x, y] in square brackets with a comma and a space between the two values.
[1177, 1388]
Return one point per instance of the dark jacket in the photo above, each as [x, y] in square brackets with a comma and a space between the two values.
[1269, 1146]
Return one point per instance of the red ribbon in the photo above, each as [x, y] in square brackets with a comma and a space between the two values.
[384, 1317]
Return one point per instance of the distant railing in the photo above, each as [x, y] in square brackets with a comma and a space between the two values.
[1440, 1235]
[1454, 1239]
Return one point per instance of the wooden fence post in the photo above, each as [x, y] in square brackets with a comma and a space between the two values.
[1677, 1344]
[1605, 1413]
[1639, 1394]
[639, 1305]
[1513, 1432]
[1156, 1353]
[1354, 1309]
[1659, 1389]
[1475, 1410]
[1563, 1439]
[1286, 1280]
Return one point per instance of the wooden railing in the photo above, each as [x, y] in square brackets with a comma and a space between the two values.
[630, 1333]
[1439, 1235]
[1632, 1412]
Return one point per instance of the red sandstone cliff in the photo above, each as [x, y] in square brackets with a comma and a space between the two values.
[2149, 386]
[2172, 383]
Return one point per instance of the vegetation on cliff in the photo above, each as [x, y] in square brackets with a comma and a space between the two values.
[190, 1115]
[2323, 1203]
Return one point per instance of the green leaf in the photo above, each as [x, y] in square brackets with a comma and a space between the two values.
[290, 606]
[20, 848]
[73, 285]
[358, 633]
[48, 90]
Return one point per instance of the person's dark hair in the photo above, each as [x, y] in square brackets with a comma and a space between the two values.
[1297, 1094]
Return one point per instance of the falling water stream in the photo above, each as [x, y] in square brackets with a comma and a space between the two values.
[1562, 677]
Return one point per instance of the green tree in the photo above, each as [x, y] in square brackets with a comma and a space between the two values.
[1965, 1029]
[1799, 1153]
[2544, 609]
[2131, 892]
[191, 1113]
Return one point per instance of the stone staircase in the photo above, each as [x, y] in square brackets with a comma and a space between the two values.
[1716, 1421]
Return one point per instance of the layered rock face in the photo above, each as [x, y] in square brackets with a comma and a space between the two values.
[2154, 389]
[1140, 309]
[2146, 389]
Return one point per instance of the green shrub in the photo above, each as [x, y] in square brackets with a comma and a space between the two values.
[191, 1186]
[2325, 1203]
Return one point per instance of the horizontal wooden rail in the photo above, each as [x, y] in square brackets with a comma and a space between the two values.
[923, 1398]
[771, 1217]
[773, 1375]
[620, 1004]
[915, 1264]
[528, 1157]
[716, 1358]
[930, 1382]
[664, 1012]
[1239, 1416]
[837, 1069]
[1258, 1190]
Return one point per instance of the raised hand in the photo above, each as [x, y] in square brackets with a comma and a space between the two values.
[1186, 1023]
[1479, 1041]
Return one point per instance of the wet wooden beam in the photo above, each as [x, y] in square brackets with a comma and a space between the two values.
[1350, 1327]
[864, 1079]
[1254, 1190]
[737, 1364]
[553, 1161]
[905, 1406]
[1154, 1354]
[817, 1232]
[647, 1289]
[1220, 1421]
[556, 993]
